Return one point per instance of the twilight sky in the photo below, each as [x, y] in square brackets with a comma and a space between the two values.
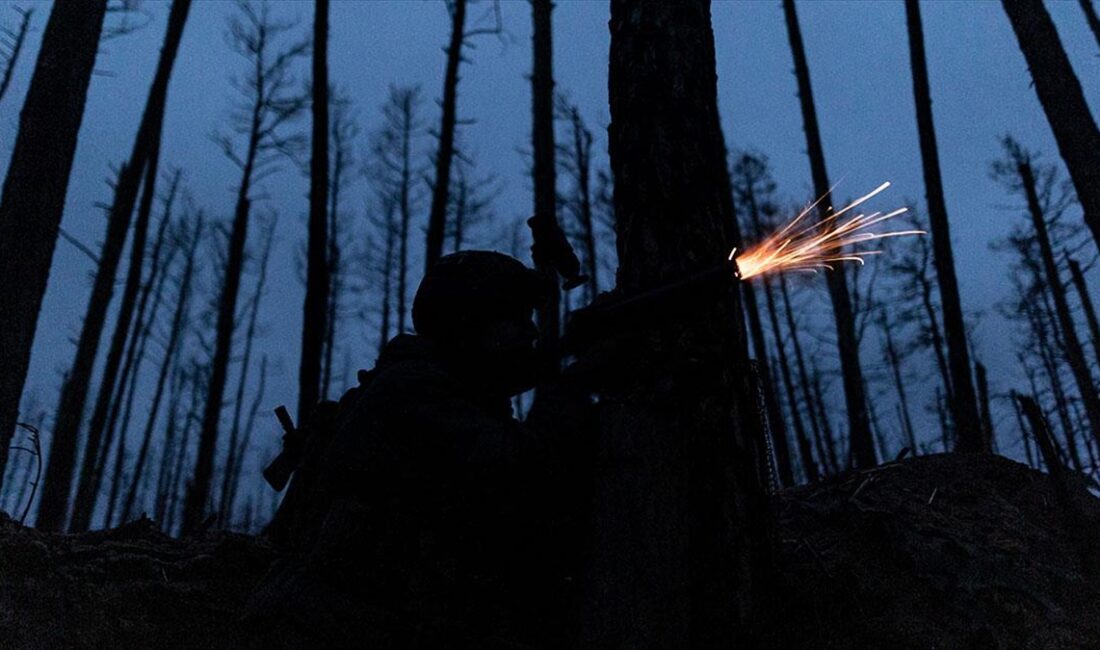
[859, 61]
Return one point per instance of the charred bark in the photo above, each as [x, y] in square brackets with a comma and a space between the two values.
[680, 541]
[315, 311]
[70, 413]
[437, 217]
[544, 175]
[1063, 101]
[963, 402]
[33, 198]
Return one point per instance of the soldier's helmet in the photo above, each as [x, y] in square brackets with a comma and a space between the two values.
[464, 290]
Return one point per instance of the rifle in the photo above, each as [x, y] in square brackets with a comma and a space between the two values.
[550, 247]
[675, 300]
[277, 474]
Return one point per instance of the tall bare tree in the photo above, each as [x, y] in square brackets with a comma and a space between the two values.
[1018, 172]
[53, 507]
[392, 168]
[963, 402]
[33, 196]
[1060, 93]
[271, 101]
[575, 159]
[118, 371]
[445, 151]
[544, 174]
[862, 442]
[680, 511]
[1086, 305]
[316, 307]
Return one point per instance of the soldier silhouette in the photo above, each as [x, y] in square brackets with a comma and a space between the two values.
[423, 514]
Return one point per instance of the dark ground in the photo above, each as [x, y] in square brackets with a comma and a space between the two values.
[935, 552]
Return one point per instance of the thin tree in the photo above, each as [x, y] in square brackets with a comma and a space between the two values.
[544, 175]
[316, 306]
[963, 402]
[678, 552]
[1018, 171]
[233, 460]
[172, 350]
[70, 411]
[33, 196]
[392, 169]
[1086, 304]
[448, 123]
[437, 217]
[1063, 101]
[816, 426]
[12, 45]
[271, 101]
[575, 159]
[892, 356]
[117, 371]
[987, 412]
[862, 442]
[748, 178]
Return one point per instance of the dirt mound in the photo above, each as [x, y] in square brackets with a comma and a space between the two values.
[129, 587]
[945, 551]
[934, 552]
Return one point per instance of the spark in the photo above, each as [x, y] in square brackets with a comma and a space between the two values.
[799, 246]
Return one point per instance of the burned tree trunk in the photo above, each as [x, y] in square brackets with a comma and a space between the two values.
[804, 451]
[545, 181]
[1092, 18]
[803, 376]
[437, 217]
[315, 309]
[893, 359]
[964, 405]
[862, 442]
[271, 103]
[1086, 305]
[33, 197]
[171, 351]
[70, 412]
[680, 538]
[1063, 101]
[1071, 343]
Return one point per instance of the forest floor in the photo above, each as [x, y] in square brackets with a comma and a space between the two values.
[934, 552]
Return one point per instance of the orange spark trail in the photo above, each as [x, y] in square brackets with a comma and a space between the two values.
[819, 245]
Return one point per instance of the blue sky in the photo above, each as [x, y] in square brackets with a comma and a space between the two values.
[859, 61]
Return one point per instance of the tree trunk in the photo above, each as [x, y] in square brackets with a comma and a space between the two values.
[315, 309]
[225, 507]
[74, 393]
[544, 176]
[198, 490]
[893, 359]
[826, 426]
[963, 403]
[1071, 344]
[170, 361]
[33, 198]
[437, 217]
[804, 451]
[1047, 357]
[862, 442]
[681, 522]
[1086, 305]
[776, 423]
[1063, 101]
[803, 376]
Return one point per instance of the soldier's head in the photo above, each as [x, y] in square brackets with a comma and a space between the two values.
[477, 306]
